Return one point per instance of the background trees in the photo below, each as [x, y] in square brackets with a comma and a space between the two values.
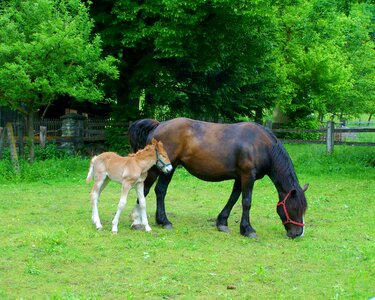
[230, 60]
[329, 57]
[197, 58]
[46, 50]
[218, 59]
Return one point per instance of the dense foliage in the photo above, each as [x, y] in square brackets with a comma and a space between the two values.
[218, 59]
[226, 59]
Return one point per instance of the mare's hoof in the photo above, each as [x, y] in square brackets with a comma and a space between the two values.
[251, 235]
[99, 228]
[114, 232]
[138, 227]
[223, 228]
[168, 226]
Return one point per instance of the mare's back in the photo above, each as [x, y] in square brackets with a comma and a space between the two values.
[212, 151]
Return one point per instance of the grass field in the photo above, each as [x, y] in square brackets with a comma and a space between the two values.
[50, 250]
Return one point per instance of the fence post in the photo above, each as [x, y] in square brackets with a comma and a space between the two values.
[268, 124]
[13, 148]
[330, 136]
[20, 134]
[2, 138]
[42, 136]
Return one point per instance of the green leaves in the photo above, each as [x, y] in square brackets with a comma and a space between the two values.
[46, 50]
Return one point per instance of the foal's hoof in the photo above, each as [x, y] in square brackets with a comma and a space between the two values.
[223, 228]
[137, 227]
[168, 226]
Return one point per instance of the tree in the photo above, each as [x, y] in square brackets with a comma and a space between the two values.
[47, 49]
[196, 58]
[329, 58]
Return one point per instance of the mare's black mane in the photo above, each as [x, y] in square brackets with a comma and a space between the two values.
[139, 132]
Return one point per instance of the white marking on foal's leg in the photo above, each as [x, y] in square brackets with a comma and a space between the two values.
[95, 213]
[142, 206]
[121, 205]
[136, 215]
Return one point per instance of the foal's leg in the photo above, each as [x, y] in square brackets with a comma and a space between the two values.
[124, 196]
[136, 213]
[142, 205]
[98, 187]
[222, 218]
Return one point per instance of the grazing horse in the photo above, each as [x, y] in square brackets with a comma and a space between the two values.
[129, 171]
[244, 152]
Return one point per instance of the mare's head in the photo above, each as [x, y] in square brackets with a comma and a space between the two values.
[162, 160]
[291, 210]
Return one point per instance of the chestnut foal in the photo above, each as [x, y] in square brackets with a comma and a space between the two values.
[130, 171]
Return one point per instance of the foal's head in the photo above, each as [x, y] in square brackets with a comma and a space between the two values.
[162, 160]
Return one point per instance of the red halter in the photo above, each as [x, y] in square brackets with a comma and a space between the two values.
[288, 219]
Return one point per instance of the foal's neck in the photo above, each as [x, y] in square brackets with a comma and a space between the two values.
[146, 158]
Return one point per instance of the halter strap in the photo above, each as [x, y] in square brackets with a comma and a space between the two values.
[288, 219]
[159, 163]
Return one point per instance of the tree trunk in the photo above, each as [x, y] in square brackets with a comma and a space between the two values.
[259, 115]
[30, 134]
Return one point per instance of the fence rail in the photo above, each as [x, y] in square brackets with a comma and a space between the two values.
[94, 130]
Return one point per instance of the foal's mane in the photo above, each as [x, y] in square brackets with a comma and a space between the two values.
[140, 151]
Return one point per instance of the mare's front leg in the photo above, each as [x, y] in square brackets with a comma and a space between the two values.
[124, 196]
[222, 218]
[142, 206]
[161, 190]
[247, 184]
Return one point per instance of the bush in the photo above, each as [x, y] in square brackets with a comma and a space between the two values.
[117, 141]
[306, 123]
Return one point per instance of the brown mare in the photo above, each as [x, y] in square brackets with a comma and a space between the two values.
[129, 171]
[244, 152]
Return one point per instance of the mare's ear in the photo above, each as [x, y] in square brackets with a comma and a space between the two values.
[154, 141]
[305, 187]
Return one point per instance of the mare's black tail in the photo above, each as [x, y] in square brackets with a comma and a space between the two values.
[139, 132]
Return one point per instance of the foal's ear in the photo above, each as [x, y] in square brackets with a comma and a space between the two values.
[154, 141]
[305, 187]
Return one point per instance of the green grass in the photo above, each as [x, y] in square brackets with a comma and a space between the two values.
[50, 250]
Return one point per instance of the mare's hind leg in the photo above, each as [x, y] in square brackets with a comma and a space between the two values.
[222, 218]
[142, 206]
[98, 187]
[124, 196]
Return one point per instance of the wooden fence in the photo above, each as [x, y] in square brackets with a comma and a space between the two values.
[94, 130]
[332, 134]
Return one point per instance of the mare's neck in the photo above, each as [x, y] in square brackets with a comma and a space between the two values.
[284, 183]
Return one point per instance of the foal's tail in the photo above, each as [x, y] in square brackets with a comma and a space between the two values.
[139, 132]
[91, 170]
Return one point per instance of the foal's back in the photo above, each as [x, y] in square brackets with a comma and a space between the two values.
[116, 167]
